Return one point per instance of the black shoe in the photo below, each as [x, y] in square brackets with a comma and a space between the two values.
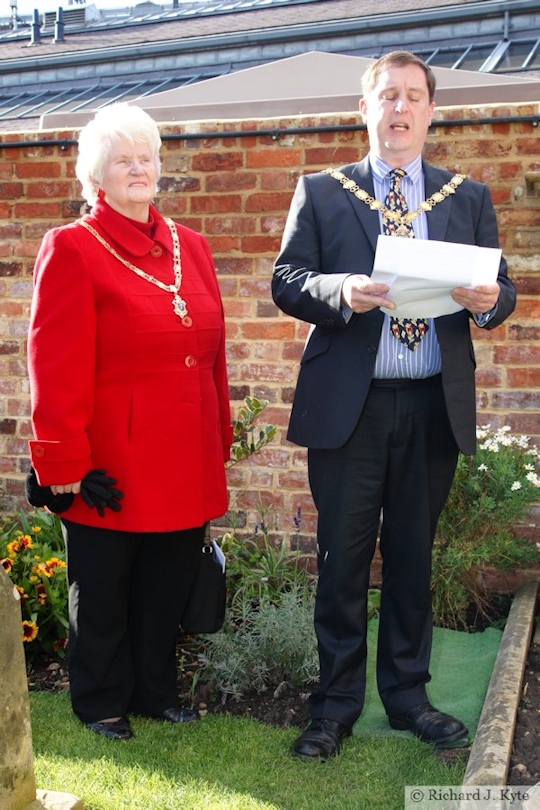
[320, 740]
[179, 715]
[115, 730]
[432, 726]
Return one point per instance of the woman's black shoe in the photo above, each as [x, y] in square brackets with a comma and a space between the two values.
[179, 715]
[114, 730]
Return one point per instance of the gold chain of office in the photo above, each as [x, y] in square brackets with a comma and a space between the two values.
[403, 221]
[178, 303]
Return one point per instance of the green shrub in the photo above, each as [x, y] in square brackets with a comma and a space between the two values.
[271, 644]
[248, 437]
[491, 494]
[259, 567]
[32, 552]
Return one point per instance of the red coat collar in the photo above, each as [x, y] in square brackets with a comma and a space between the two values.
[124, 232]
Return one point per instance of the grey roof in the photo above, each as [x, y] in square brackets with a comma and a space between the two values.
[128, 54]
[311, 83]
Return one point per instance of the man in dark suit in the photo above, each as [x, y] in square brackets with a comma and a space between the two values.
[383, 421]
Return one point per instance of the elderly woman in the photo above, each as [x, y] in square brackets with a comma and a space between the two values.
[128, 380]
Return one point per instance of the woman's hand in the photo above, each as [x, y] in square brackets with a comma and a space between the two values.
[62, 489]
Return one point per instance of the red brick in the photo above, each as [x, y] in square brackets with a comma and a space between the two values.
[223, 244]
[37, 210]
[229, 224]
[267, 201]
[217, 162]
[523, 377]
[36, 168]
[230, 265]
[261, 244]
[331, 155]
[489, 377]
[268, 158]
[11, 191]
[521, 355]
[10, 269]
[231, 181]
[213, 204]
[11, 308]
[268, 330]
[527, 146]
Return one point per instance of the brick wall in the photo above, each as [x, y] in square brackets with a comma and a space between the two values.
[236, 190]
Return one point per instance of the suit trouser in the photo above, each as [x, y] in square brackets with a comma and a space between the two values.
[127, 593]
[394, 474]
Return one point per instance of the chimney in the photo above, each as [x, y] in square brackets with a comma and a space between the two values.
[35, 37]
[59, 26]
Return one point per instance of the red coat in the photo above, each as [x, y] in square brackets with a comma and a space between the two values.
[119, 382]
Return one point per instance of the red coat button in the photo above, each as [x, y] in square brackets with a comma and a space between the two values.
[38, 450]
[190, 361]
[156, 251]
[187, 321]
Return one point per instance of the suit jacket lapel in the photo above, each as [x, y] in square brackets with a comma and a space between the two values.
[370, 221]
[438, 217]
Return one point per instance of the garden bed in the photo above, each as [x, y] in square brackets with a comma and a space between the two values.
[286, 706]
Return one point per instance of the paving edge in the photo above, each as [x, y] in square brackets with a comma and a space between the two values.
[489, 759]
[53, 800]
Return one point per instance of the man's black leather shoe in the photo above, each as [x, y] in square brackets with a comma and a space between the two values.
[115, 730]
[179, 715]
[320, 740]
[431, 726]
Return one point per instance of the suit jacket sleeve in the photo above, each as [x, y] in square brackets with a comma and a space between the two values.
[487, 235]
[299, 287]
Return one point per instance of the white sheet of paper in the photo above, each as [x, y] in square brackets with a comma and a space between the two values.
[421, 273]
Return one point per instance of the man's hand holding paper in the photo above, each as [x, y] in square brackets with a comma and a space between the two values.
[429, 278]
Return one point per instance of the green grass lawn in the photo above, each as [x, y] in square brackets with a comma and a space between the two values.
[223, 763]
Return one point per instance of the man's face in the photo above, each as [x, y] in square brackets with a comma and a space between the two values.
[397, 113]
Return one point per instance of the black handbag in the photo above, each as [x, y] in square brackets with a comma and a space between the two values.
[205, 609]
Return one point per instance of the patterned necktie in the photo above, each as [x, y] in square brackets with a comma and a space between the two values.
[409, 331]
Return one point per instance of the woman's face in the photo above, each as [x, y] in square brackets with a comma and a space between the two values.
[129, 179]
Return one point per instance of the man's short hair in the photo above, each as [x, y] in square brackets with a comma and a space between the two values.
[399, 59]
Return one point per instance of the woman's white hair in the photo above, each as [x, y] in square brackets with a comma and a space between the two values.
[115, 121]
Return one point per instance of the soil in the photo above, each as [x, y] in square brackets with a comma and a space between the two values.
[525, 759]
[286, 706]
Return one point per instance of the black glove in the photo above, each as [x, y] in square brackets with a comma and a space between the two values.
[97, 491]
[36, 495]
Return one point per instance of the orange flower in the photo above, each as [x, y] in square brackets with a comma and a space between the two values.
[13, 547]
[26, 541]
[60, 644]
[43, 569]
[55, 562]
[30, 631]
[6, 563]
[41, 594]
[22, 593]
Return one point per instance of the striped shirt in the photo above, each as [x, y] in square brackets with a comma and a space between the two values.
[394, 360]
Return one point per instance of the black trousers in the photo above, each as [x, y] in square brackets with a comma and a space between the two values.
[394, 474]
[127, 593]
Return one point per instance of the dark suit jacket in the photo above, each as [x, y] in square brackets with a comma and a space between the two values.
[331, 234]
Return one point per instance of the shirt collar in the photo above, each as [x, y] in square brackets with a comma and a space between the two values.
[380, 168]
